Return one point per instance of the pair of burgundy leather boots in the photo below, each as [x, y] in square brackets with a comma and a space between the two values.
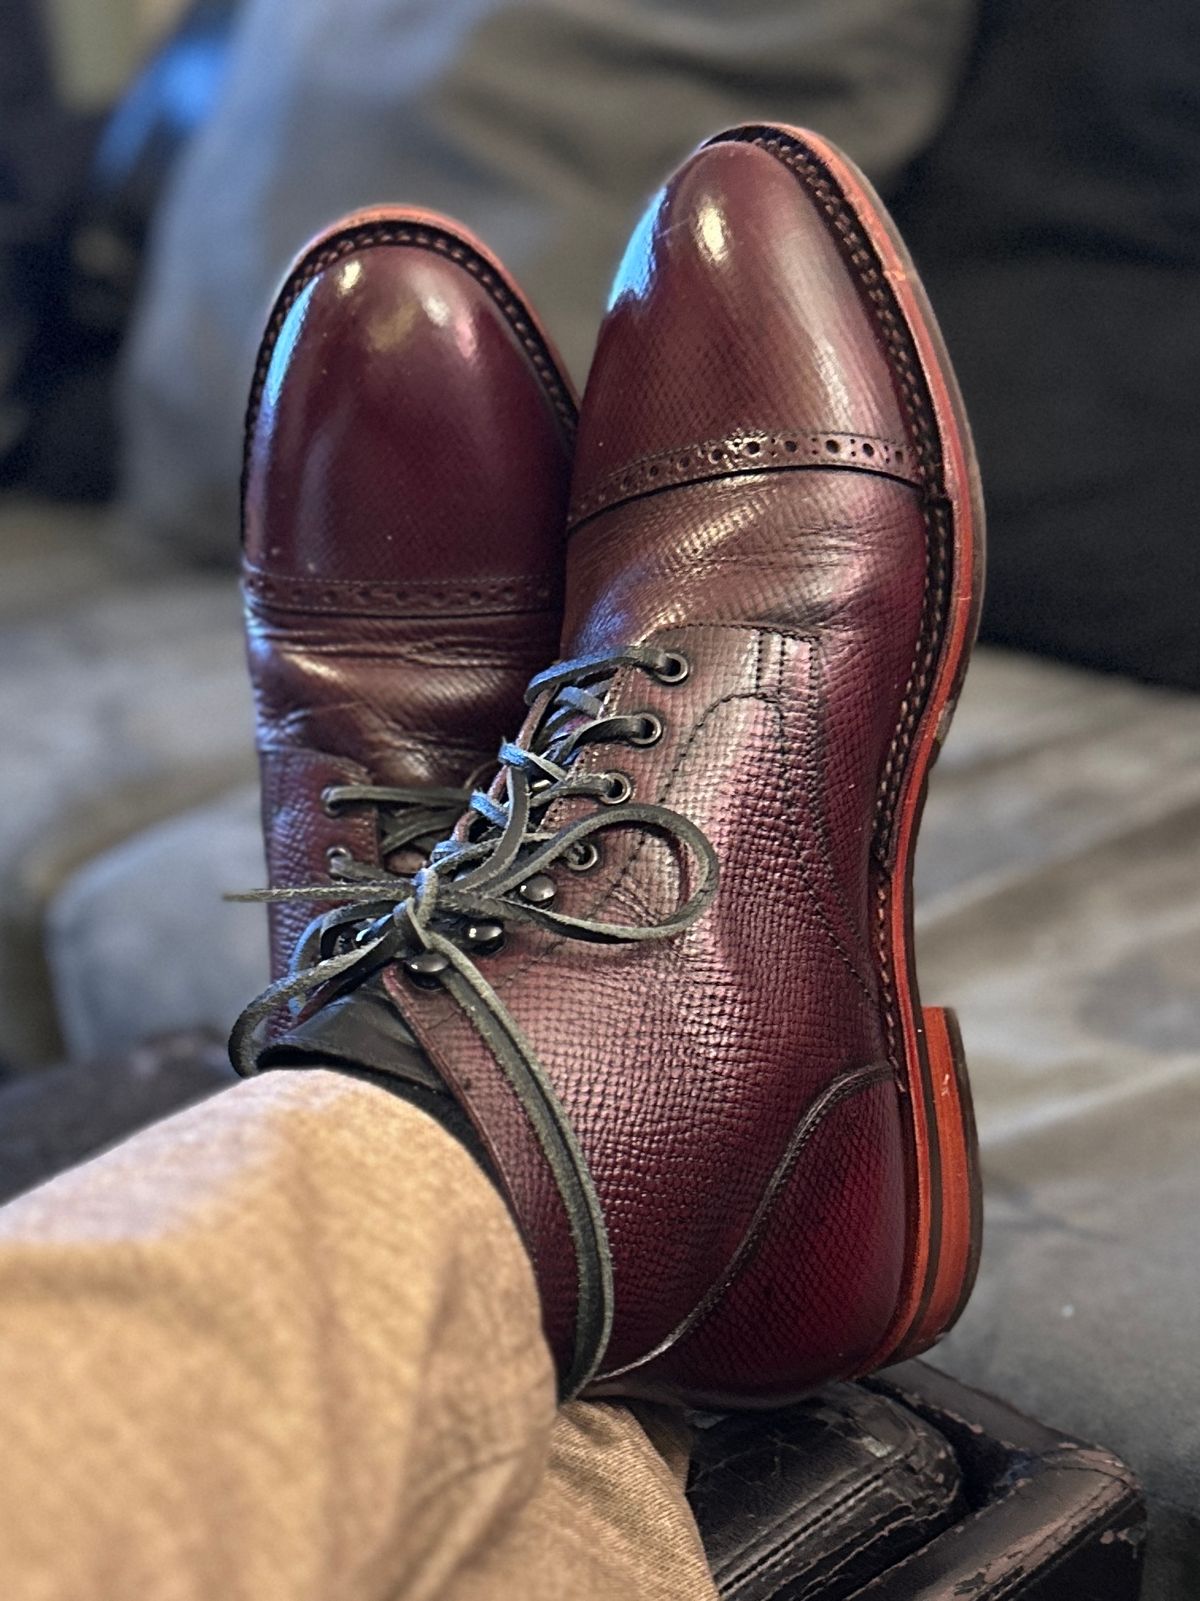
[663, 959]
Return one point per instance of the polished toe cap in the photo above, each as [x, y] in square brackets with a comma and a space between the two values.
[407, 418]
[737, 339]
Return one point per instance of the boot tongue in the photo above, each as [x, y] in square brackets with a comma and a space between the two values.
[533, 736]
[564, 721]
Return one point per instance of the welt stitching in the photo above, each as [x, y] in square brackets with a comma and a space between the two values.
[516, 315]
[866, 270]
[882, 307]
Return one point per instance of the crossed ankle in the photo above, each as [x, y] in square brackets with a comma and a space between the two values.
[361, 1036]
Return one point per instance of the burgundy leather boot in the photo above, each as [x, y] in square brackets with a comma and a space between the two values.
[407, 466]
[666, 965]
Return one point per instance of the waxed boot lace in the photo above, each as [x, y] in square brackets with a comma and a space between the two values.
[493, 872]
[406, 818]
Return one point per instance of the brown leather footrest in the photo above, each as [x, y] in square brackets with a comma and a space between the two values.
[912, 1487]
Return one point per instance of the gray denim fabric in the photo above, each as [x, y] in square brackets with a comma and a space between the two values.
[543, 125]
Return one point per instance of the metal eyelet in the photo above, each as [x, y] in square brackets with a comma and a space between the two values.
[539, 890]
[329, 800]
[674, 669]
[582, 856]
[619, 789]
[484, 937]
[652, 730]
[425, 969]
[337, 856]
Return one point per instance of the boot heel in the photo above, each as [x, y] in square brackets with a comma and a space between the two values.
[958, 1233]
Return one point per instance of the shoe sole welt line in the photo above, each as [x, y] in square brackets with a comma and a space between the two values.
[946, 1229]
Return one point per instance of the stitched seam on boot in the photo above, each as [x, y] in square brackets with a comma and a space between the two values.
[845, 1088]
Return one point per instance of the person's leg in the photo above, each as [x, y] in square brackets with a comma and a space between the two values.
[287, 1344]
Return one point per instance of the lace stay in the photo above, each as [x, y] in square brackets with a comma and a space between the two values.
[483, 878]
[408, 819]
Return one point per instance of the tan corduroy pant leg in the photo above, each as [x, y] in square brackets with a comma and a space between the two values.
[286, 1345]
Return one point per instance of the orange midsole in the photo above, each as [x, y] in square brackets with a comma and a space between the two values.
[954, 1252]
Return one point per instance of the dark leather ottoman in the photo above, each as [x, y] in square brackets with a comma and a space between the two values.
[912, 1487]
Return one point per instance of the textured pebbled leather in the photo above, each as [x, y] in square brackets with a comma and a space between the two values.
[738, 1091]
[407, 458]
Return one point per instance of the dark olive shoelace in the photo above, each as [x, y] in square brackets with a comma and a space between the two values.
[493, 872]
[408, 819]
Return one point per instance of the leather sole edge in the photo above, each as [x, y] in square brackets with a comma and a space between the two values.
[946, 1231]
